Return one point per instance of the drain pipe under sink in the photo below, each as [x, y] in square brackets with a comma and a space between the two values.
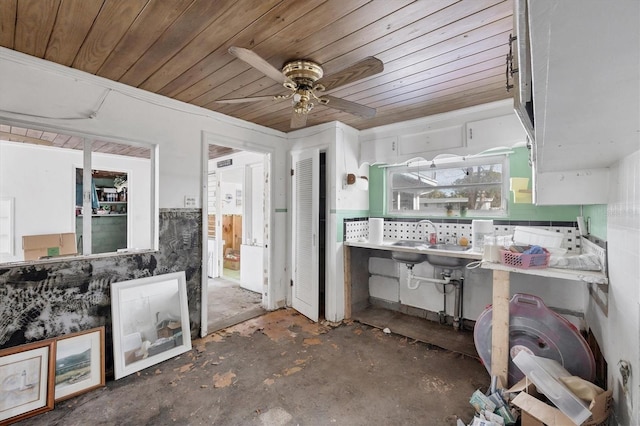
[457, 309]
[446, 279]
[411, 277]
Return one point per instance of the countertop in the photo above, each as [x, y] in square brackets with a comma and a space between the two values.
[596, 277]
[387, 245]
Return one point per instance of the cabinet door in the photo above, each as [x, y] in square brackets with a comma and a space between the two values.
[382, 150]
[505, 130]
[425, 144]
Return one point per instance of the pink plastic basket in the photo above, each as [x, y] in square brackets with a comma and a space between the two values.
[524, 261]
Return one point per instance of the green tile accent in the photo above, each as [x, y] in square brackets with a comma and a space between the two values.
[281, 210]
[596, 215]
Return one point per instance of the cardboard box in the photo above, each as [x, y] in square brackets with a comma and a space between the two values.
[233, 264]
[49, 245]
[538, 413]
[231, 259]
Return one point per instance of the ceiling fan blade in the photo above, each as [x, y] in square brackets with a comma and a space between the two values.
[350, 107]
[241, 100]
[363, 69]
[258, 63]
[298, 120]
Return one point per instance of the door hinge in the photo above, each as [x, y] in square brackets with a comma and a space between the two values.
[291, 172]
[291, 283]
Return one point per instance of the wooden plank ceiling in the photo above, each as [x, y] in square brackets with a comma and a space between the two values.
[438, 55]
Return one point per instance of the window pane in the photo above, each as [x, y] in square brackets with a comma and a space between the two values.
[443, 189]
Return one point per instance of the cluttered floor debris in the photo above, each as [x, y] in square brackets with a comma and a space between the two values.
[282, 369]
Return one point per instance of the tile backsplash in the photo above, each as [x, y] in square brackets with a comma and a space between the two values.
[451, 231]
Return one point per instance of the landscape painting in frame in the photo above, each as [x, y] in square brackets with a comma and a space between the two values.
[26, 380]
[79, 363]
[150, 321]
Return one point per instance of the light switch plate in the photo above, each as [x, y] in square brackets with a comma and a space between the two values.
[190, 201]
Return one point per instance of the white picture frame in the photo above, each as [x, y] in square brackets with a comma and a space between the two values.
[150, 321]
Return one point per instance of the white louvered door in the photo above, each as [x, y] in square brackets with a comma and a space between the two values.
[305, 189]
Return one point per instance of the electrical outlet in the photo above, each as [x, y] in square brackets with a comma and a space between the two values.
[190, 201]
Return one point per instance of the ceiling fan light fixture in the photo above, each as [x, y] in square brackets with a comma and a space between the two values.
[306, 82]
[303, 70]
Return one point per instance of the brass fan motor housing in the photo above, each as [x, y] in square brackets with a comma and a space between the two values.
[304, 73]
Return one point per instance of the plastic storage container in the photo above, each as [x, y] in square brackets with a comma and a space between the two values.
[525, 261]
[544, 373]
[479, 230]
[536, 329]
[524, 235]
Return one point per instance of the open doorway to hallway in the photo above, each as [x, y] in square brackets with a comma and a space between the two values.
[235, 231]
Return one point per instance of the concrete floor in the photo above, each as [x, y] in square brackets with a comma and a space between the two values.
[282, 369]
[229, 304]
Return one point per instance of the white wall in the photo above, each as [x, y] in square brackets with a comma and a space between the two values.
[254, 204]
[619, 333]
[229, 197]
[42, 182]
[78, 103]
[247, 174]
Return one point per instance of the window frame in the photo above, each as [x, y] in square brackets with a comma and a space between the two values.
[86, 163]
[452, 162]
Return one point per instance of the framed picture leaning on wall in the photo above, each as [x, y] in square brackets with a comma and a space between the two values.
[26, 380]
[150, 321]
[79, 363]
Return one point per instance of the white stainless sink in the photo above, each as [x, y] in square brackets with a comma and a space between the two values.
[408, 257]
[446, 261]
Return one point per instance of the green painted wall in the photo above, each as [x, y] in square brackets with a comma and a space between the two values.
[376, 191]
[596, 216]
[519, 167]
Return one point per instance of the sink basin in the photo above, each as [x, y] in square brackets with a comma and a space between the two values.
[446, 261]
[408, 257]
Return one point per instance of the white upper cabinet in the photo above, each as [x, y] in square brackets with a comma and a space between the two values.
[585, 61]
[505, 130]
[430, 142]
[462, 132]
[379, 150]
[585, 68]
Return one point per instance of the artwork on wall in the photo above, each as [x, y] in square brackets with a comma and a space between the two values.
[79, 363]
[26, 380]
[150, 321]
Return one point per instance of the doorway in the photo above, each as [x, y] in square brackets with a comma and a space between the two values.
[235, 230]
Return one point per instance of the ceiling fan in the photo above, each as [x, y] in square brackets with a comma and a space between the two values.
[306, 82]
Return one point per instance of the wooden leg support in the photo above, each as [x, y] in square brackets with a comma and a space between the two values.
[500, 327]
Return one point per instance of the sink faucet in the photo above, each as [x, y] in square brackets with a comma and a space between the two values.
[431, 238]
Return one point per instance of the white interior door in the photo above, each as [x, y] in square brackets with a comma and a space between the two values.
[306, 178]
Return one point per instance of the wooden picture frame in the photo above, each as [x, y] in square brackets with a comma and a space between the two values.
[150, 321]
[79, 363]
[26, 380]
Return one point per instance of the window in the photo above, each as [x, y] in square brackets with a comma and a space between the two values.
[43, 173]
[449, 187]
